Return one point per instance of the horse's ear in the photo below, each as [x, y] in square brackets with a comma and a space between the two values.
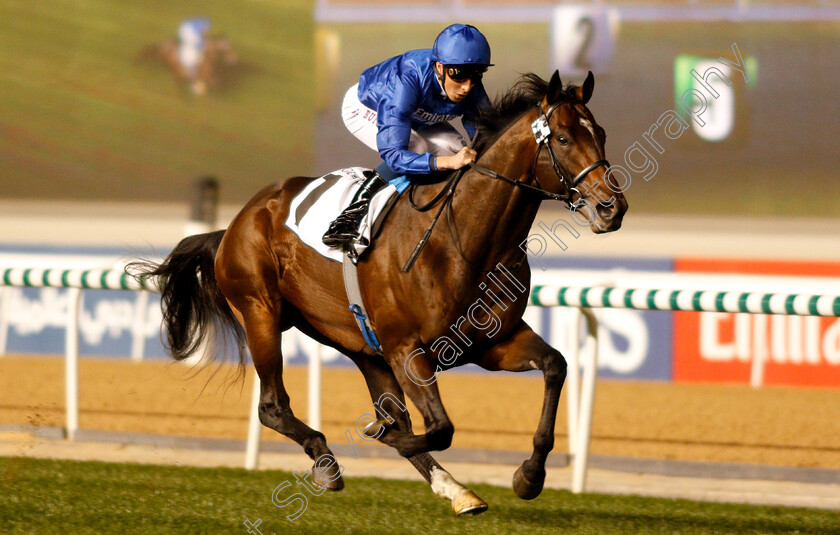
[584, 92]
[555, 88]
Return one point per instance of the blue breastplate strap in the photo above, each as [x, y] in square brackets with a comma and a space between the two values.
[365, 327]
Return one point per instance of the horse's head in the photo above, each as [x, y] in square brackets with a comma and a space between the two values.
[570, 158]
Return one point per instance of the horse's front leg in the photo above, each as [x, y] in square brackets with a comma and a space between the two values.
[415, 375]
[523, 351]
[389, 405]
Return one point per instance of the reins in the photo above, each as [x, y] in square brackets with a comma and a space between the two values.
[446, 193]
[453, 180]
[542, 135]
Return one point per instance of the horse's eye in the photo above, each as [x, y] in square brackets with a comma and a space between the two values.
[563, 140]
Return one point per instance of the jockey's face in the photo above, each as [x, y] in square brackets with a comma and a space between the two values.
[455, 91]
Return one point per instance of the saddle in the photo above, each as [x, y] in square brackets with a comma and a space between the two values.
[321, 201]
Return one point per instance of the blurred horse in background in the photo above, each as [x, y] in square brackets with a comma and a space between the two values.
[218, 63]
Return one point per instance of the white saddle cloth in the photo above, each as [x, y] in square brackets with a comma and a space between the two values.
[319, 203]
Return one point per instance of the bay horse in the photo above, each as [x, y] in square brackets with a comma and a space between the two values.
[453, 307]
[218, 61]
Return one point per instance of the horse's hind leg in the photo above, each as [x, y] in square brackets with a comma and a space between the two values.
[523, 351]
[389, 406]
[262, 328]
[246, 274]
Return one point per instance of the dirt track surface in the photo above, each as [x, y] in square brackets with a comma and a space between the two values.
[774, 426]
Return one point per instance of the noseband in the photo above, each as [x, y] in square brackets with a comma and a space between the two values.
[542, 135]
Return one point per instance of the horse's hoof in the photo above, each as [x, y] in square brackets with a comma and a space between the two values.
[467, 503]
[327, 480]
[525, 489]
[199, 87]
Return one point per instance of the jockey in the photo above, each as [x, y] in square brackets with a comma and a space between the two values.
[402, 108]
[191, 46]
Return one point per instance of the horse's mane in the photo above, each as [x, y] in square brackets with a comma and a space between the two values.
[522, 97]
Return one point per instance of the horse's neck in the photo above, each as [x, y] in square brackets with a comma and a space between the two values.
[492, 217]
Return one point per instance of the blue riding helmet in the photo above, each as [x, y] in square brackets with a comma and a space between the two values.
[198, 25]
[461, 44]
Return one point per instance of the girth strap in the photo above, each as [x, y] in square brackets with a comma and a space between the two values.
[357, 305]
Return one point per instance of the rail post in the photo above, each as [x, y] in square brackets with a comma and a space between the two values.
[573, 379]
[138, 330]
[587, 404]
[5, 310]
[71, 362]
[314, 388]
[252, 447]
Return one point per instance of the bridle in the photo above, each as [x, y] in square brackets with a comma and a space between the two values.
[542, 135]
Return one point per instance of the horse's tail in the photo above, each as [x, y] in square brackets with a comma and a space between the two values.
[193, 306]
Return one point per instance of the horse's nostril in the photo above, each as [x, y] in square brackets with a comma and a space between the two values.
[607, 211]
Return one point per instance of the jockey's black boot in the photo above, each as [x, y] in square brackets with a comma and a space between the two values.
[345, 229]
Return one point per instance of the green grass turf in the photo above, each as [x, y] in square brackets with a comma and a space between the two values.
[48, 496]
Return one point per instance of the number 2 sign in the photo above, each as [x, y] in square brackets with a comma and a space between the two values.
[582, 38]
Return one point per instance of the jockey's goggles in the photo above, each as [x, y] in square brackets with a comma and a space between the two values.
[462, 73]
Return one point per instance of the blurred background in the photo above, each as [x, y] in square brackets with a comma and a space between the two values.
[90, 112]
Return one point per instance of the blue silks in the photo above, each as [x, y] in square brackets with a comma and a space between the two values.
[406, 94]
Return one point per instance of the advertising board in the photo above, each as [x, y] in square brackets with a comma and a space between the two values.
[720, 348]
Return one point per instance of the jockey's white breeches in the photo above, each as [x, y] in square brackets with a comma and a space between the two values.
[440, 139]
[190, 56]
